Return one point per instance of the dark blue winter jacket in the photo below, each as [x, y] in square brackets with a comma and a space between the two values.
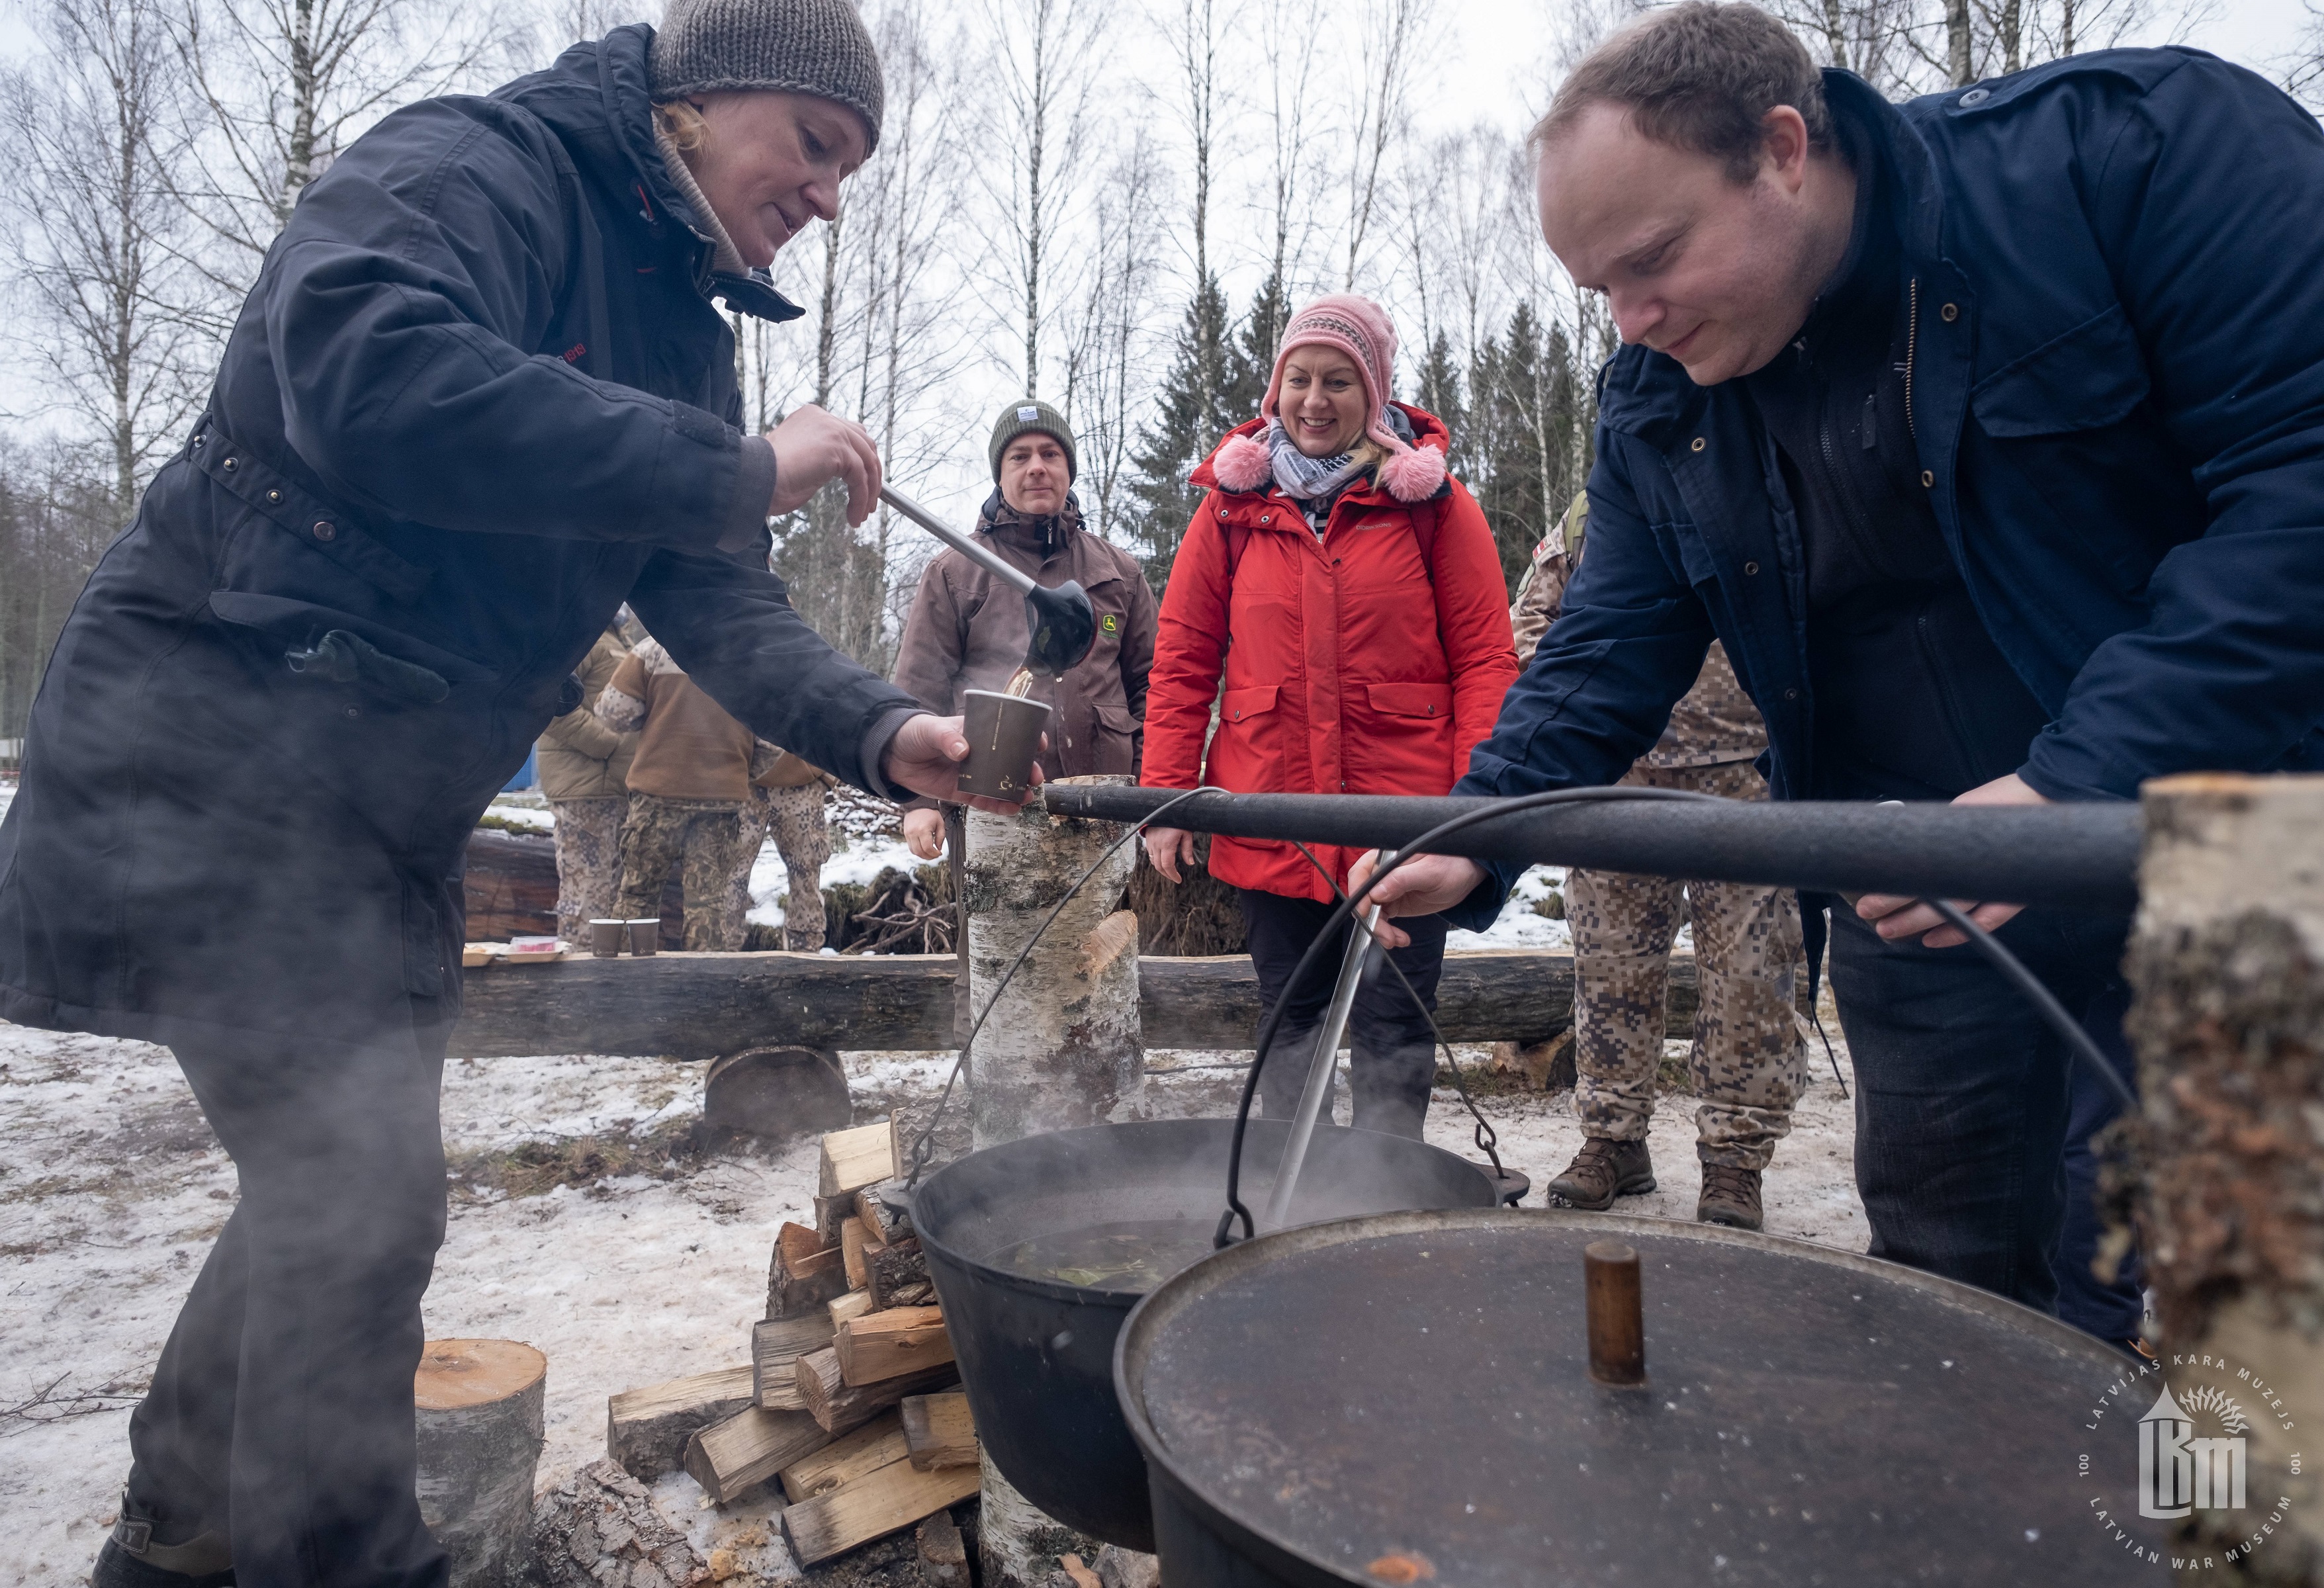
[2118, 396]
[480, 396]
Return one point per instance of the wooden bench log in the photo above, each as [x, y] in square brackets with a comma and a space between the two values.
[700, 1006]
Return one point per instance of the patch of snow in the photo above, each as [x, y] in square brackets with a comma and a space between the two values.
[524, 809]
[1518, 926]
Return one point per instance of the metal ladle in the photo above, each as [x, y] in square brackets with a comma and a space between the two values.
[1320, 1070]
[1060, 620]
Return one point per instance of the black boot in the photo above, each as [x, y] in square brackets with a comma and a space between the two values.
[133, 1558]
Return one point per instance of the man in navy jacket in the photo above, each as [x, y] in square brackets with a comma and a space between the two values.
[1988, 433]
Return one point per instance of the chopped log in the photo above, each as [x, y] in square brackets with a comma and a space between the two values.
[853, 1160]
[854, 1305]
[732, 1457]
[701, 1006]
[894, 1274]
[796, 1244]
[797, 1288]
[776, 1346]
[884, 1344]
[477, 1412]
[887, 1220]
[646, 1429]
[1063, 1047]
[840, 1406]
[2227, 962]
[830, 1213]
[853, 1239]
[776, 1092]
[940, 1431]
[944, 1553]
[871, 1506]
[878, 1444]
[509, 885]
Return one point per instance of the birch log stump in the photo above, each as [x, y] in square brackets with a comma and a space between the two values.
[2228, 963]
[1060, 1049]
[478, 1411]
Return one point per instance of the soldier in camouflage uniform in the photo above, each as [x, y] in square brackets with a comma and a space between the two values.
[1749, 1057]
[787, 804]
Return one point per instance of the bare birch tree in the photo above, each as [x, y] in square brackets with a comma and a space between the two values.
[1104, 390]
[279, 86]
[89, 133]
[1039, 94]
[1388, 38]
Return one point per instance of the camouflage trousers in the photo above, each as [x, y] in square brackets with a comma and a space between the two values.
[1748, 1058]
[794, 820]
[588, 862]
[713, 842]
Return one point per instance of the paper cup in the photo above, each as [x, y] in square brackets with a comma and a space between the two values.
[607, 936]
[645, 934]
[1004, 737]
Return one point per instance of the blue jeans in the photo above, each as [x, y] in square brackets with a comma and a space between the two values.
[1962, 1095]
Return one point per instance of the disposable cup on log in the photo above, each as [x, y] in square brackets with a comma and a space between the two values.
[645, 933]
[478, 1405]
[606, 937]
[1004, 736]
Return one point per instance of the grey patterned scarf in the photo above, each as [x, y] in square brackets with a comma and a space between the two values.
[1305, 478]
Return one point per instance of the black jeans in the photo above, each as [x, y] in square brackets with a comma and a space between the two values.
[1395, 1053]
[282, 1409]
[1962, 1095]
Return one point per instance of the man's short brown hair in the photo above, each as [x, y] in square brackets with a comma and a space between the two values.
[1699, 76]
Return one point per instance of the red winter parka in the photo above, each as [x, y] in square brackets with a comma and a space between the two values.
[1368, 661]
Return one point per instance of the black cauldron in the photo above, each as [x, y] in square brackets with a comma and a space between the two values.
[1036, 1355]
[1406, 1399]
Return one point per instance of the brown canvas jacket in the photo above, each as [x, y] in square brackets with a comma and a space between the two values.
[966, 630]
[578, 757]
[1715, 722]
[688, 746]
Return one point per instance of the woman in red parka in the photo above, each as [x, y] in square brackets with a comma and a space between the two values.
[1370, 646]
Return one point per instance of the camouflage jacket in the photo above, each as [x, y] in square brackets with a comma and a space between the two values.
[1715, 722]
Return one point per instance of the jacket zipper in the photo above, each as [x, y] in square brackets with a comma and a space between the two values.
[1912, 344]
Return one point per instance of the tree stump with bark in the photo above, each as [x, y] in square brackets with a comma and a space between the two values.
[1060, 1049]
[2228, 963]
[478, 1412]
[776, 1092]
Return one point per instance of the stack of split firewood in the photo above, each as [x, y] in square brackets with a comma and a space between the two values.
[851, 1400]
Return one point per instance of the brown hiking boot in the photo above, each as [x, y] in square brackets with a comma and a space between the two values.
[1602, 1170]
[1730, 1197]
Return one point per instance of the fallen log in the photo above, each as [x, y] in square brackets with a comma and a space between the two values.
[700, 1006]
[646, 1429]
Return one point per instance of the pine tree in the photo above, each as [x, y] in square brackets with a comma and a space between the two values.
[1439, 391]
[1529, 421]
[1161, 501]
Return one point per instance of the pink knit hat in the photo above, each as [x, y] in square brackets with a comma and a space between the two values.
[1361, 329]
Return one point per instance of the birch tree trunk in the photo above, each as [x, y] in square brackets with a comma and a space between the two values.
[478, 1405]
[2227, 962]
[1060, 1049]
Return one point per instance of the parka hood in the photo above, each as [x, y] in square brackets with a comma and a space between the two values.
[1243, 475]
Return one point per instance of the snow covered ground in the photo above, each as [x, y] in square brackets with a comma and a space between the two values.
[111, 1188]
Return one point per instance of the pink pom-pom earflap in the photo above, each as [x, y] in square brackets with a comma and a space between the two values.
[1413, 474]
[1242, 463]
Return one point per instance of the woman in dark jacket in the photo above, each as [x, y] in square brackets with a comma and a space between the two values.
[480, 395]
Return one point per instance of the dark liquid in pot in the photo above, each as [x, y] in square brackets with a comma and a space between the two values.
[1131, 1254]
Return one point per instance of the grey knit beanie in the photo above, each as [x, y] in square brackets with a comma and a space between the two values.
[1031, 414]
[817, 47]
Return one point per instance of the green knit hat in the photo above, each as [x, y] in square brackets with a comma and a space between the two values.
[1031, 414]
[817, 47]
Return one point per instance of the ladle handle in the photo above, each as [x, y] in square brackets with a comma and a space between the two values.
[981, 556]
[1320, 1071]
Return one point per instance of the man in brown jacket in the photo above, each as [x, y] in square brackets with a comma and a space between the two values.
[689, 784]
[584, 766]
[966, 629]
[1748, 1055]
